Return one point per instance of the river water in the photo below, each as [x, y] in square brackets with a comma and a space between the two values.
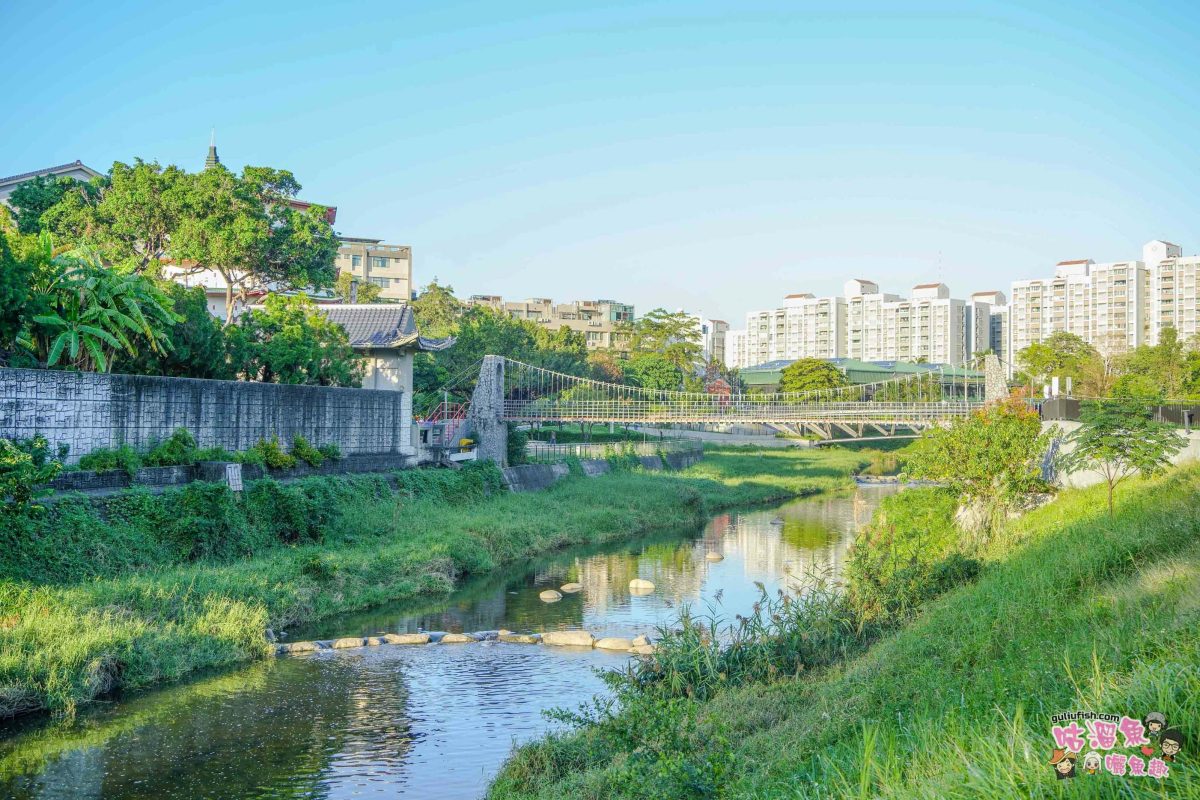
[431, 721]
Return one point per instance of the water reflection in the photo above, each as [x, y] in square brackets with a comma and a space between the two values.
[429, 722]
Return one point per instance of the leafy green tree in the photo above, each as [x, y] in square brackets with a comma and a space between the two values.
[92, 313]
[1153, 372]
[1061, 355]
[198, 346]
[437, 310]
[810, 375]
[290, 341]
[25, 467]
[243, 228]
[653, 371]
[673, 335]
[990, 459]
[35, 197]
[18, 266]
[367, 292]
[1119, 440]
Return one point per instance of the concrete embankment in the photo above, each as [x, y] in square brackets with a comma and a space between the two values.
[533, 477]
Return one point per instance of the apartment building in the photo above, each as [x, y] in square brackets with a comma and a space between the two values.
[388, 266]
[992, 306]
[598, 320]
[1171, 300]
[864, 324]
[711, 335]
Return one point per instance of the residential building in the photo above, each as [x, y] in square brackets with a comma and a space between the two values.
[76, 169]
[1172, 298]
[805, 327]
[930, 326]
[992, 306]
[599, 321]
[388, 266]
[735, 349]
[711, 335]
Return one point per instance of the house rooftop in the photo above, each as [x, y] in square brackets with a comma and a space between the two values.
[1076, 261]
[24, 176]
[380, 325]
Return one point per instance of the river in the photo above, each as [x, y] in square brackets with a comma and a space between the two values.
[432, 721]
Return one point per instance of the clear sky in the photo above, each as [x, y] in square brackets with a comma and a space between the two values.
[712, 156]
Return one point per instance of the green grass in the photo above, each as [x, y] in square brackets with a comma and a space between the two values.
[146, 588]
[1072, 611]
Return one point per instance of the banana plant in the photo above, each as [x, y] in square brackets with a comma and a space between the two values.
[91, 313]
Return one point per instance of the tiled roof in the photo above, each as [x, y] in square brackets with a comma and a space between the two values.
[380, 325]
[77, 164]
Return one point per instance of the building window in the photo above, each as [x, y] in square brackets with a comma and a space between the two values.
[378, 262]
[382, 283]
[356, 261]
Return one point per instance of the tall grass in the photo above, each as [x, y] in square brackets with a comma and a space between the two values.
[1072, 611]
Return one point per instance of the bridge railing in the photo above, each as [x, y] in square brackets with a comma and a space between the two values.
[734, 410]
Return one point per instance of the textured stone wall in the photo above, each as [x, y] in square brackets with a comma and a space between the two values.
[484, 418]
[88, 410]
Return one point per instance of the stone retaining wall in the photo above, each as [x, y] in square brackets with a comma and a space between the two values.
[87, 410]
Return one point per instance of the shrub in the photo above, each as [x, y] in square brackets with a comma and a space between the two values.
[103, 459]
[305, 452]
[213, 454]
[177, 449]
[23, 468]
[517, 441]
[269, 454]
[330, 451]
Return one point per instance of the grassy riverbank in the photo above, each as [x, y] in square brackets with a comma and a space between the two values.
[1071, 611]
[146, 588]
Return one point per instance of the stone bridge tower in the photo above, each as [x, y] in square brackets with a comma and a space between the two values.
[995, 383]
[485, 417]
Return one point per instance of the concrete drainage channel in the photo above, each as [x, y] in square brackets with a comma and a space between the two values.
[638, 645]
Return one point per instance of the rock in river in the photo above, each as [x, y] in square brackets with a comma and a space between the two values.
[349, 641]
[520, 638]
[458, 638]
[568, 638]
[640, 586]
[406, 638]
[298, 647]
[714, 557]
[640, 640]
[571, 588]
[643, 650]
[550, 596]
[614, 643]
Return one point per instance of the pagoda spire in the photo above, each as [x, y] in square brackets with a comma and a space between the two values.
[213, 159]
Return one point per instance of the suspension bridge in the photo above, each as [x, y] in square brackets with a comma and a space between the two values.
[513, 391]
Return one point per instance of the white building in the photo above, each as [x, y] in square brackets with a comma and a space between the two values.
[711, 336]
[1171, 299]
[735, 349]
[993, 306]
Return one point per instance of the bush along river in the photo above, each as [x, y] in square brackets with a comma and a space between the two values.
[422, 721]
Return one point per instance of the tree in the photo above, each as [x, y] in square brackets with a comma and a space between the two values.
[675, 336]
[1119, 440]
[290, 341]
[1153, 372]
[198, 344]
[367, 292]
[244, 228]
[653, 371]
[989, 459]
[437, 310]
[18, 264]
[1061, 355]
[810, 375]
[35, 197]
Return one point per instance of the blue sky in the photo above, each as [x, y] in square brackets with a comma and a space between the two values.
[713, 156]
